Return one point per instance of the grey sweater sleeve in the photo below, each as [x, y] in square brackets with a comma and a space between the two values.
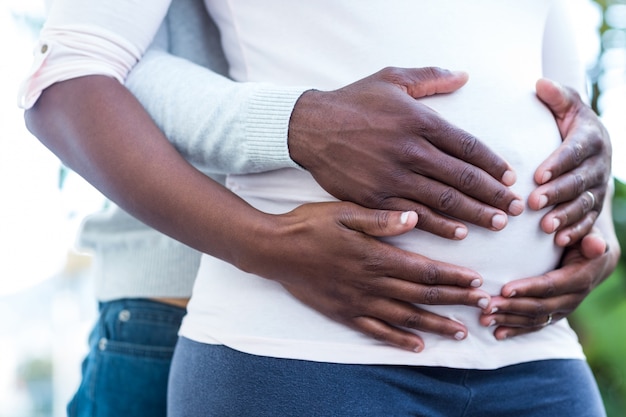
[218, 125]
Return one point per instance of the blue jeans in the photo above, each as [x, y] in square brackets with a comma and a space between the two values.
[130, 351]
[209, 380]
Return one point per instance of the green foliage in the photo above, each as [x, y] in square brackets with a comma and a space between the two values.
[600, 322]
[619, 213]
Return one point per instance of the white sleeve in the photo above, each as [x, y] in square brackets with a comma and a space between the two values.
[91, 37]
[219, 125]
[562, 57]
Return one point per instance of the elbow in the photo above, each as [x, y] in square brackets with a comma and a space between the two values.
[32, 120]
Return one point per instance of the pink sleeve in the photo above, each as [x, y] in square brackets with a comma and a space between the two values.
[91, 37]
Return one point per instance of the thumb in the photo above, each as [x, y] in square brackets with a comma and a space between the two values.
[593, 246]
[380, 223]
[422, 82]
[558, 99]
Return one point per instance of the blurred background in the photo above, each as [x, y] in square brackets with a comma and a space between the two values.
[46, 301]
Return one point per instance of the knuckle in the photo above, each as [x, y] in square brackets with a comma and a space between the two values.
[375, 200]
[468, 144]
[430, 274]
[373, 264]
[550, 288]
[556, 195]
[498, 196]
[468, 178]
[430, 73]
[579, 183]
[413, 321]
[539, 311]
[577, 153]
[425, 122]
[414, 152]
[364, 287]
[587, 204]
[596, 142]
[448, 200]
[392, 74]
[430, 295]
[382, 219]
[379, 334]
[537, 321]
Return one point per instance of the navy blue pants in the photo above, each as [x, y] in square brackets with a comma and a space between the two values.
[126, 370]
[208, 380]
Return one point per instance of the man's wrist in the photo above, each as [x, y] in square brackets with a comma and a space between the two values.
[302, 126]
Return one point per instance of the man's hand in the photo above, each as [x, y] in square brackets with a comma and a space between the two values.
[576, 176]
[529, 304]
[327, 256]
[374, 144]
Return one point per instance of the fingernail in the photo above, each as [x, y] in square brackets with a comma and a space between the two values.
[546, 177]
[404, 217]
[418, 348]
[498, 221]
[494, 310]
[555, 224]
[459, 335]
[513, 294]
[509, 177]
[564, 241]
[460, 233]
[476, 283]
[483, 303]
[543, 201]
[459, 73]
[557, 85]
[492, 323]
[516, 207]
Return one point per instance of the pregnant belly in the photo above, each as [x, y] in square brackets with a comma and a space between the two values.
[520, 129]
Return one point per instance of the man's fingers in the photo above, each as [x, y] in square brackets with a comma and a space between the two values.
[463, 146]
[444, 182]
[426, 294]
[422, 82]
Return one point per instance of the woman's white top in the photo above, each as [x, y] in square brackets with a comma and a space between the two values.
[330, 43]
